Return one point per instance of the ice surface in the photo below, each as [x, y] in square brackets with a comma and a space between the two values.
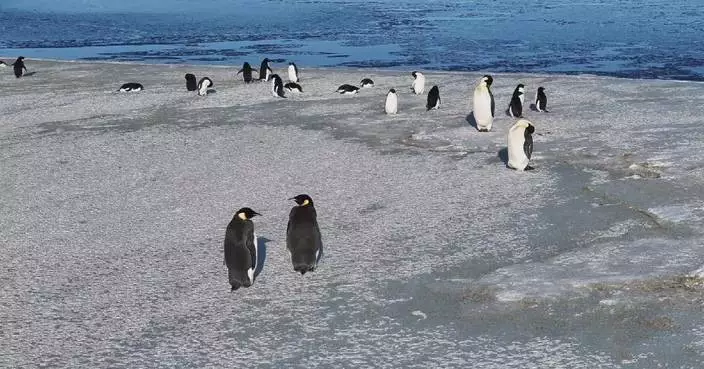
[437, 255]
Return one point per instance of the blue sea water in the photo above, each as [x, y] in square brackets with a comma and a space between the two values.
[627, 38]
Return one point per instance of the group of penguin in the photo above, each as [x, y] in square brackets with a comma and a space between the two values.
[244, 257]
[18, 66]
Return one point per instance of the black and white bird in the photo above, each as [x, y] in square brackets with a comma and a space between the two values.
[203, 85]
[243, 256]
[246, 72]
[520, 145]
[293, 73]
[433, 98]
[418, 85]
[515, 107]
[367, 82]
[347, 89]
[191, 83]
[131, 87]
[303, 239]
[541, 100]
[19, 67]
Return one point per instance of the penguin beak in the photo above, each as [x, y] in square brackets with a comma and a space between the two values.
[255, 213]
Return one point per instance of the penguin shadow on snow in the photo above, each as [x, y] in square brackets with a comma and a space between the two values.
[473, 122]
[503, 156]
[29, 74]
[261, 254]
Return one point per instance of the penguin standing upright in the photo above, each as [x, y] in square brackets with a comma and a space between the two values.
[191, 84]
[433, 98]
[418, 85]
[19, 67]
[203, 85]
[303, 238]
[242, 250]
[541, 101]
[515, 107]
[520, 145]
[391, 106]
[483, 104]
[246, 72]
[265, 71]
[277, 86]
[293, 73]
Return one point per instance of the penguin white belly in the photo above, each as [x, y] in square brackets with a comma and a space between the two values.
[517, 158]
[482, 108]
[419, 85]
[391, 104]
[292, 74]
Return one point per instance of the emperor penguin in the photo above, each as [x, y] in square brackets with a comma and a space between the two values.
[483, 104]
[293, 87]
[391, 106]
[191, 84]
[367, 82]
[541, 101]
[303, 238]
[131, 86]
[515, 107]
[433, 98]
[19, 67]
[293, 72]
[265, 71]
[203, 85]
[347, 89]
[418, 85]
[277, 86]
[520, 145]
[246, 72]
[242, 250]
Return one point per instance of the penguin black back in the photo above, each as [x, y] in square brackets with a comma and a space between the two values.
[303, 238]
[515, 107]
[489, 81]
[528, 140]
[541, 100]
[191, 84]
[19, 67]
[263, 70]
[241, 249]
[433, 98]
[131, 86]
[246, 72]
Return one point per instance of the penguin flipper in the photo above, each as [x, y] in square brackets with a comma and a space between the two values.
[240, 71]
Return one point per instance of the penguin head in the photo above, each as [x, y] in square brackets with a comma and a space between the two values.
[246, 213]
[487, 80]
[302, 200]
[520, 88]
[414, 74]
[527, 125]
[541, 89]
[246, 65]
[392, 91]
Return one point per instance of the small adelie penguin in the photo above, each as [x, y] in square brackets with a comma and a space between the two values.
[293, 87]
[246, 72]
[203, 85]
[515, 107]
[541, 101]
[367, 82]
[242, 250]
[303, 239]
[418, 85]
[265, 71]
[3, 64]
[191, 84]
[19, 67]
[277, 86]
[293, 72]
[433, 98]
[131, 86]
[483, 104]
[520, 145]
[391, 106]
[347, 89]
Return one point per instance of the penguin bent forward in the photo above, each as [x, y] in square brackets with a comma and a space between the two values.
[520, 145]
[242, 250]
[541, 101]
[293, 72]
[347, 89]
[293, 87]
[246, 72]
[277, 86]
[131, 86]
[19, 67]
[391, 105]
[418, 85]
[191, 83]
[265, 71]
[433, 98]
[515, 107]
[203, 85]
[303, 238]
[367, 82]
[483, 104]
[3, 64]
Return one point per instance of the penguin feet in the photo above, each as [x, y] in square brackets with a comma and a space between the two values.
[528, 167]
[483, 130]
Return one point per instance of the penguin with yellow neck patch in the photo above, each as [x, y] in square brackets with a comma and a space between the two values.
[303, 238]
[242, 252]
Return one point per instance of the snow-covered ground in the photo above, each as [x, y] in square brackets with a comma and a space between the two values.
[436, 255]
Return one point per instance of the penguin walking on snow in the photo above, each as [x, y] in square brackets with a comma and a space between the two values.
[191, 84]
[418, 85]
[541, 101]
[265, 71]
[203, 85]
[277, 86]
[433, 98]
[391, 106]
[303, 238]
[19, 67]
[131, 87]
[483, 104]
[246, 72]
[515, 107]
[520, 145]
[293, 72]
[242, 252]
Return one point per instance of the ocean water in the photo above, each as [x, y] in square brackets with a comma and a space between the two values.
[640, 39]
